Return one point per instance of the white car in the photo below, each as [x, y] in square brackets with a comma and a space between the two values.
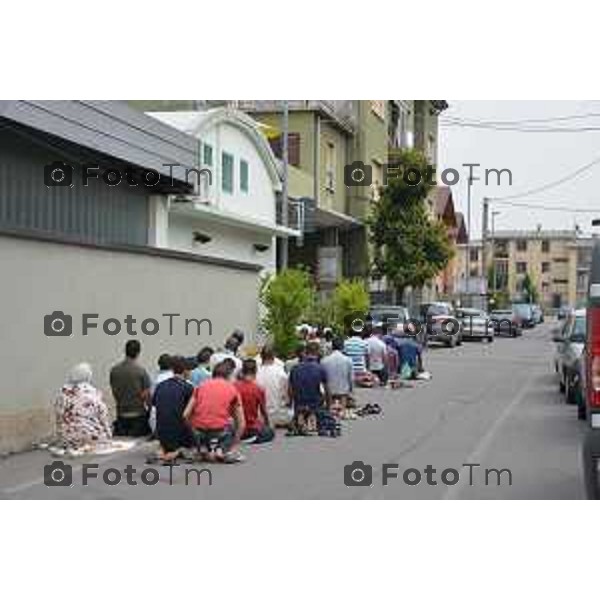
[476, 324]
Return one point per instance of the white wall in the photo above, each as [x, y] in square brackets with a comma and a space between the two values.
[41, 277]
[259, 201]
[227, 242]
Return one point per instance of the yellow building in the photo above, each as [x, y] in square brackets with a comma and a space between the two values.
[557, 262]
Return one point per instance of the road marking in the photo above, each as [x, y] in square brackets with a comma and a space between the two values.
[476, 456]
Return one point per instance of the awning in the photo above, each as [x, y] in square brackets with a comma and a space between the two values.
[326, 217]
[206, 212]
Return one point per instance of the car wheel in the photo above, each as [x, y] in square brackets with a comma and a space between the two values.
[590, 473]
[490, 339]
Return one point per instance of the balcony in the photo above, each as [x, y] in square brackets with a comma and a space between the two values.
[343, 112]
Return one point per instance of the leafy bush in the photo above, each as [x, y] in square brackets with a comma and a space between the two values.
[285, 297]
[350, 300]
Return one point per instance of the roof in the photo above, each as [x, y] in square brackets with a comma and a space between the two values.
[110, 127]
[462, 236]
[443, 204]
[197, 123]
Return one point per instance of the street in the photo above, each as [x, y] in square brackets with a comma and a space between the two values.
[495, 405]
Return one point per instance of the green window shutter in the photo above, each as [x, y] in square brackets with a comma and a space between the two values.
[227, 172]
[207, 158]
[244, 175]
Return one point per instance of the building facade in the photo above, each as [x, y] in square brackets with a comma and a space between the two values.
[557, 262]
[102, 249]
[232, 213]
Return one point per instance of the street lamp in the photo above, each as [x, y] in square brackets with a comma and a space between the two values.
[495, 213]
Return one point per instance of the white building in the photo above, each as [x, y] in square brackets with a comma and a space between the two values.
[234, 216]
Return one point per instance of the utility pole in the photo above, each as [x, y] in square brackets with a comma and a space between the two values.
[470, 182]
[284, 187]
[484, 237]
[495, 213]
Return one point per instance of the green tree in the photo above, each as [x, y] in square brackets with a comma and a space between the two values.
[285, 298]
[409, 248]
[530, 292]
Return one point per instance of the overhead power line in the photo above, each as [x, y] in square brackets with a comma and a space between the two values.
[491, 127]
[551, 184]
[460, 119]
[548, 208]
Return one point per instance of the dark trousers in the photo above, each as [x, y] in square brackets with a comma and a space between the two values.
[131, 426]
[382, 374]
[263, 435]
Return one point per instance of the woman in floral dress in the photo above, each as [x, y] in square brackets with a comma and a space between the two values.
[81, 416]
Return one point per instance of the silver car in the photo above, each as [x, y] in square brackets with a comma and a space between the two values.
[476, 324]
[570, 341]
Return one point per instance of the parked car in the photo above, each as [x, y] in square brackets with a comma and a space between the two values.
[591, 382]
[506, 322]
[563, 312]
[389, 316]
[441, 323]
[570, 340]
[538, 314]
[525, 314]
[476, 324]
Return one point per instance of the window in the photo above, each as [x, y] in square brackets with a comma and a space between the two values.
[521, 245]
[474, 255]
[561, 260]
[207, 155]
[545, 267]
[474, 272]
[545, 286]
[521, 267]
[330, 166]
[545, 245]
[293, 148]
[227, 172]
[244, 175]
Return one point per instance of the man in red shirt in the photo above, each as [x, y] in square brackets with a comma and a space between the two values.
[216, 416]
[258, 429]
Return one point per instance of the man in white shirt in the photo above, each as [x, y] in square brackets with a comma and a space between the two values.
[377, 351]
[273, 379]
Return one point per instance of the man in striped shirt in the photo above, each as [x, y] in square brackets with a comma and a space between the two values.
[357, 349]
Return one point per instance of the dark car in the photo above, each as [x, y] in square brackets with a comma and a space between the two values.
[591, 382]
[525, 314]
[506, 322]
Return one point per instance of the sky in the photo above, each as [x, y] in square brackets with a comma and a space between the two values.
[535, 159]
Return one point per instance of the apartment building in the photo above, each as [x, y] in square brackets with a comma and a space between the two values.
[557, 262]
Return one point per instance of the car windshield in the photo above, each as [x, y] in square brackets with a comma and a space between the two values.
[437, 310]
[579, 329]
[523, 310]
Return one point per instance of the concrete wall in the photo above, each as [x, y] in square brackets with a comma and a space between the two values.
[39, 277]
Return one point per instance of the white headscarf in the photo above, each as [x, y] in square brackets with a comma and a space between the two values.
[81, 373]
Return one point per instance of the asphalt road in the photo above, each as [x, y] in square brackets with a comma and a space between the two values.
[494, 405]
